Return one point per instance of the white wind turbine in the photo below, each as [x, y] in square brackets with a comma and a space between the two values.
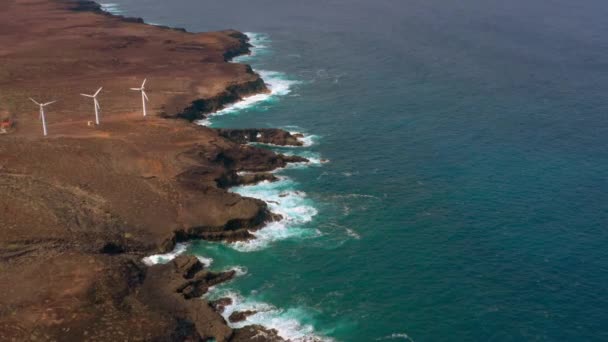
[96, 104]
[42, 105]
[144, 97]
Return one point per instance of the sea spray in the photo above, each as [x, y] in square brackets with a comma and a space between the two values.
[259, 46]
[283, 199]
[306, 139]
[287, 323]
[278, 83]
[179, 249]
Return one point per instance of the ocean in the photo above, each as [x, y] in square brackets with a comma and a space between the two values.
[459, 174]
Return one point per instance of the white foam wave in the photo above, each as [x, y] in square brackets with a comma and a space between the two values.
[179, 249]
[314, 159]
[277, 82]
[205, 261]
[282, 198]
[239, 271]
[287, 323]
[111, 8]
[309, 140]
[306, 140]
[353, 234]
[259, 45]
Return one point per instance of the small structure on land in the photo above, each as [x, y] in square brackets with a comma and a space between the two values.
[5, 125]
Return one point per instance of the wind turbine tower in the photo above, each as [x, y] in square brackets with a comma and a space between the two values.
[144, 97]
[95, 103]
[42, 117]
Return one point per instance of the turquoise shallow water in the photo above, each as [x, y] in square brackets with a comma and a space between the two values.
[465, 196]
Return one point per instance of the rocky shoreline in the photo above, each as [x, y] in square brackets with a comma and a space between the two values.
[82, 207]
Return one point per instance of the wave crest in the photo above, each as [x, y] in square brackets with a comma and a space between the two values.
[287, 323]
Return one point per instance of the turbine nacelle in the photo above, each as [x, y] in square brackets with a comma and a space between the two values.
[42, 104]
[94, 95]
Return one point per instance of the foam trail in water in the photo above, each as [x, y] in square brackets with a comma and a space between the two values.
[179, 249]
[282, 198]
[287, 323]
[396, 336]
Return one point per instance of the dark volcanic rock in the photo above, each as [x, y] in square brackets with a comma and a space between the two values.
[249, 158]
[166, 289]
[243, 49]
[220, 304]
[239, 316]
[232, 94]
[253, 178]
[84, 5]
[273, 136]
[256, 333]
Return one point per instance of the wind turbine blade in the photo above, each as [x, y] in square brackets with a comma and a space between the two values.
[144, 83]
[136, 89]
[97, 104]
[87, 95]
[146, 96]
[98, 90]
[48, 103]
[34, 101]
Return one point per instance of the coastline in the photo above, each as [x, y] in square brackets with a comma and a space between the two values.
[281, 195]
[126, 189]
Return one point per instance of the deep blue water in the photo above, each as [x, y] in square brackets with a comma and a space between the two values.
[465, 197]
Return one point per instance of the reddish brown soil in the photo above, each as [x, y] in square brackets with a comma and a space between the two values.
[82, 206]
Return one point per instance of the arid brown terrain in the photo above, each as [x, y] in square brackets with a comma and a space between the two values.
[82, 206]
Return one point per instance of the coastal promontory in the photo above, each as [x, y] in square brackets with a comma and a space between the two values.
[81, 207]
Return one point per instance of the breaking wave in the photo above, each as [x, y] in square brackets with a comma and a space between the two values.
[179, 249]
[111, 8]
[287, 323]
[278, 83]
[283, 199]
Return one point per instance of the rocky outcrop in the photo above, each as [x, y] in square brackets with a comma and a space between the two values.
[256, 333]
[173, 288]
[220, 304]
[244, 48]
[231, 94]
[254, 178]
[272, 136]
[239, 316]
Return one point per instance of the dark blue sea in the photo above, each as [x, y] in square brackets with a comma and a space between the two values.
[465, 193]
